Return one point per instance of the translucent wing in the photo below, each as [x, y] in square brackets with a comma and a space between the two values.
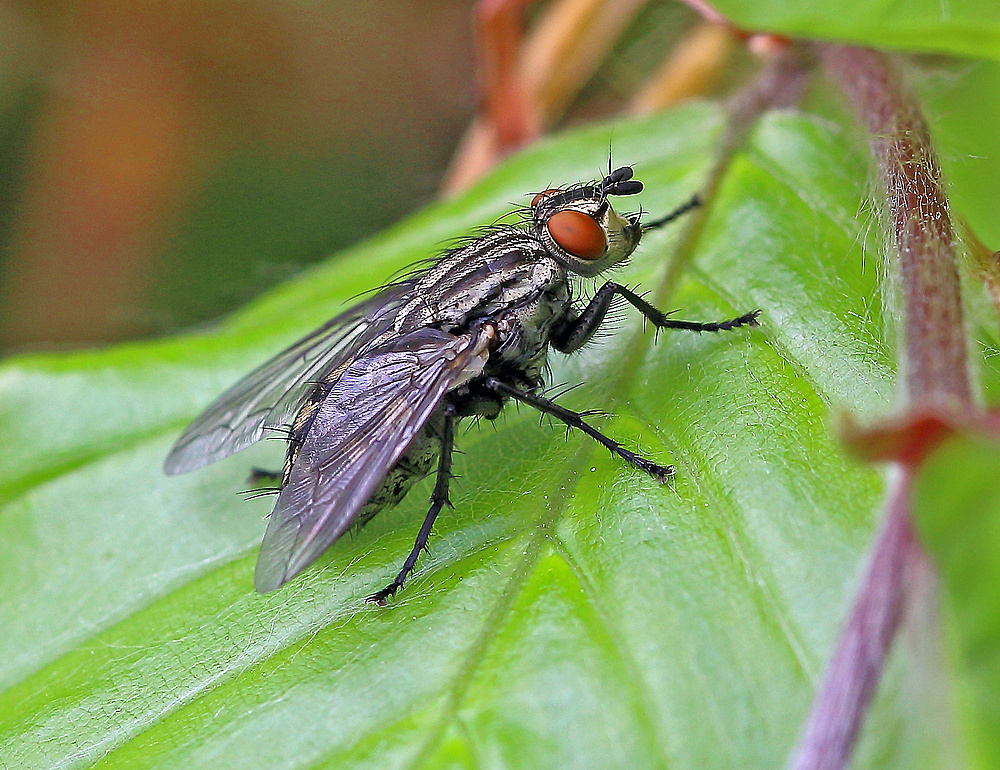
[272, 393]
[371, 415]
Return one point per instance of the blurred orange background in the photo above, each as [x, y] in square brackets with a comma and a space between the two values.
[164, 161]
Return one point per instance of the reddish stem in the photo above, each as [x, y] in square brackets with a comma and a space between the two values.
[934, 378]
[935, 369]
[499, 31]
[856, 667]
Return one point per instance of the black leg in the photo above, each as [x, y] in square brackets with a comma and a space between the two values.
[581, 329]
[260, 475]
[662, 320]
[264, 483]
[659, 472]
[439, 499]
[684, 208]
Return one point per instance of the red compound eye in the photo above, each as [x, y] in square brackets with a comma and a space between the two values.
[542, 195]
[577, 234]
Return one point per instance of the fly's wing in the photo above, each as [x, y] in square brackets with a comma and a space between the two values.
[368, 419]
[271, 394]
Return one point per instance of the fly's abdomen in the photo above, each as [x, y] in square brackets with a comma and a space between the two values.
[415, 463]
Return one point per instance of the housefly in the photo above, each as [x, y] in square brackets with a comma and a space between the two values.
[369, 402]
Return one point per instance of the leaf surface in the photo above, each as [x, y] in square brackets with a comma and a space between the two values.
[571, 612]
[959, 27]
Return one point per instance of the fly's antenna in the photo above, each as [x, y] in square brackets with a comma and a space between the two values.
[620, 182]
[694, 203]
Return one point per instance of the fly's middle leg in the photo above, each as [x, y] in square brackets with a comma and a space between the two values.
[439, 499]
[659, 472]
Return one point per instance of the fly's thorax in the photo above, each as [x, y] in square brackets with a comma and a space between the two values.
[506, 271]
[524, 329]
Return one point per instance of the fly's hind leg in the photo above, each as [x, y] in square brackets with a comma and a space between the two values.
[263, 483]
[575, 420]
[439, 499]
[262, 476]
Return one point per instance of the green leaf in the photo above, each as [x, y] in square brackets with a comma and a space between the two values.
[958, 517]
[571, 611]
[961, 105]
[958, 27]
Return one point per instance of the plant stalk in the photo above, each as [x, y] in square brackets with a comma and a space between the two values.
[934, 378]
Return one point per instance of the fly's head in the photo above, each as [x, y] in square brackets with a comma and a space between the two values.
[581, 229]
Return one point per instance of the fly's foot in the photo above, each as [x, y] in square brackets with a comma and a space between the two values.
[381, 598]
[662, 473]
[751, 319]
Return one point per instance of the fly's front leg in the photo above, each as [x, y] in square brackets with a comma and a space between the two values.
[575, 420]
[439, 499]
[579, 330]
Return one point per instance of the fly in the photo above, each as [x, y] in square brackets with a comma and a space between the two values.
[370, 401]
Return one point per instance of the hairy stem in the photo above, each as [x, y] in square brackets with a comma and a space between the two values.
[935, 372]
[934, 377]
